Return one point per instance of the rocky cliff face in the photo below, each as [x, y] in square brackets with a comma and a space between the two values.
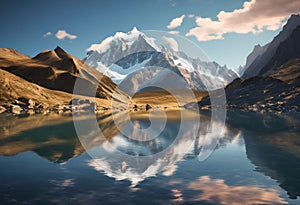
[286, 51]
[265, 54]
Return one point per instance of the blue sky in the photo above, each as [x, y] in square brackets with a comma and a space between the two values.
[24, 24]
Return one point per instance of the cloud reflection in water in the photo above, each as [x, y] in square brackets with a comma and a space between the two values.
[217, 191]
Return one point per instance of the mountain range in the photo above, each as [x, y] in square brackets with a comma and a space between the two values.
[135, 60]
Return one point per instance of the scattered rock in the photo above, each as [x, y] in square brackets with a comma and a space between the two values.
[15, 109]
[26, 102]
[30, 112]
[25, 106]
[148, 107]
[77, 101]
[82, 105]
[66, 108]
[135, 107]
[2, 109]
[19, 103]
[57, 107]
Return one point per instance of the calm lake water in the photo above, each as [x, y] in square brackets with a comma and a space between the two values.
[254, 160]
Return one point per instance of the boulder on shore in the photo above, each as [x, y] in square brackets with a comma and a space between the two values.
[25, 102]
[15, 109]
[82, 104]
[148, 107]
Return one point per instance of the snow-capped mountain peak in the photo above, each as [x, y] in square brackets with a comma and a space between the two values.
[137, 57]
[129, 36]
[134, 30]
[124, 38]
[116, 47]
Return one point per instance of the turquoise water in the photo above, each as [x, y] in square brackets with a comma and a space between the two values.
[256, 161]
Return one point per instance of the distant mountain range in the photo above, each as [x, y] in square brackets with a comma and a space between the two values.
[271, 79]
[135, 61]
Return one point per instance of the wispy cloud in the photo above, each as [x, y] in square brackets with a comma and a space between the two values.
[172, 43]
[47, 34]
[174, 32]
[253, 17]
[191, 16]
[62, 34]
[176, 22]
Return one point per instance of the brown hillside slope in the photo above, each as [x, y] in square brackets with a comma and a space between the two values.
[58, 70]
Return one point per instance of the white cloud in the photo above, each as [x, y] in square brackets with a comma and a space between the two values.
[176, 22]
[172, 43]
[103, 46]
[254, 17]
[47, 34]
[62, 34]
[191, 16]
[174, 32]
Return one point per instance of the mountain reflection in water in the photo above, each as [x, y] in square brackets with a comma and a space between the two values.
[270, 142]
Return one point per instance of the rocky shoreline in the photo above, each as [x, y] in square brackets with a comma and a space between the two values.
[25, 106]
[28, 107]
